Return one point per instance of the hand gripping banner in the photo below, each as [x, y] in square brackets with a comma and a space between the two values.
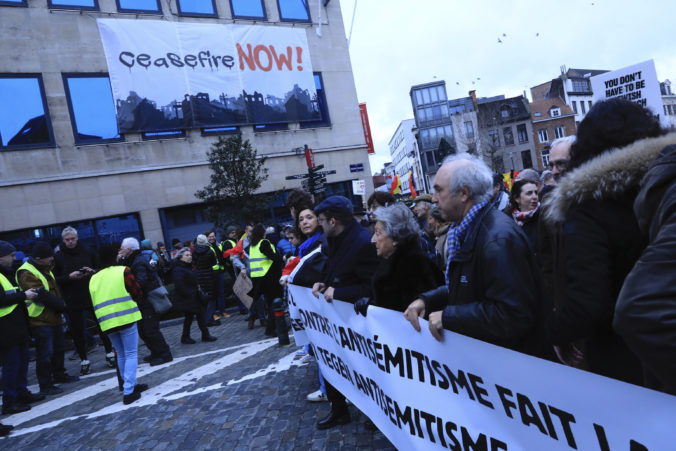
[464, 394]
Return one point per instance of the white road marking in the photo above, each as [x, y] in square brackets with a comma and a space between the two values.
[149, 397]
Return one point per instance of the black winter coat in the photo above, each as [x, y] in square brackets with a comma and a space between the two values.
[186, 298]
[400, 279]
[75, 292]
[600, 243]
[145, 275]
[14, 328]
[351, 263]
[204, 260]
[495, 293]
[645, 314]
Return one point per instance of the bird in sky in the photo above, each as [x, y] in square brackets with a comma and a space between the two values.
[499, 41]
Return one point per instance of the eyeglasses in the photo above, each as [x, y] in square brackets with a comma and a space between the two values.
[560, 164]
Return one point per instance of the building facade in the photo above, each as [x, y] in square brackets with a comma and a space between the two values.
[63, 162]
[669, 102]
[551, 119]
[406, 157]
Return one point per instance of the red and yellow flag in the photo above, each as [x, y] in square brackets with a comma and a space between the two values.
[396, 185]
[410, 184]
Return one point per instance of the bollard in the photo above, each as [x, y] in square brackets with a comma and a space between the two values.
[280, 322]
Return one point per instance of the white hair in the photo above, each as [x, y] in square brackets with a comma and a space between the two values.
[68, 231]
[475, 175]
[566, 139]
[131, 243]
[202, 239]
[399, 222]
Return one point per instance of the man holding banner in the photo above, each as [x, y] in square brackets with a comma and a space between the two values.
[492, 290]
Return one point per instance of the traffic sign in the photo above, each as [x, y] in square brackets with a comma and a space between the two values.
[297, 176]
[325, 172]
[314, 170]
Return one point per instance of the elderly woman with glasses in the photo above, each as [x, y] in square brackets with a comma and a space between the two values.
[404, 271]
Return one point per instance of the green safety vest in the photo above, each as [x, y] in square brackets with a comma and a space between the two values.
[34, 310]
[113, 307]
[217, 266]
[8, 288]
[258, 262]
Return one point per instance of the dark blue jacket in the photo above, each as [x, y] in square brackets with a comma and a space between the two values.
[351, 263]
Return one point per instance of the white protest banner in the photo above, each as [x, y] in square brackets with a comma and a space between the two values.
[359, 187]
[464, 394]
[637, 83]
[172, 75]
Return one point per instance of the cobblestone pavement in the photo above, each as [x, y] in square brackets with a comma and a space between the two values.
[240, 392]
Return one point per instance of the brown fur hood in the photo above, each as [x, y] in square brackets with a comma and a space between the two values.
[608, 176]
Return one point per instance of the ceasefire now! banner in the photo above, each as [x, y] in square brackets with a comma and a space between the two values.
[464, 394]
[173, 75]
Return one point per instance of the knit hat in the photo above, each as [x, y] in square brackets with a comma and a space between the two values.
[6, 248]
[339, 204]
[42, 249]
[202, 239]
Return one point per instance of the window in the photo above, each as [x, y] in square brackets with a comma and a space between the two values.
[559, 131]
[526, 159]
[220, 131]
[574, 107]
[91, 108]
[199, 8]
[665, 109]
[248, 9]
[555, 112]
[522, 133]
[494, 138]
[543, 135]
[469, 130]
[580, 85]
[418, 97]
[429, 157]
[139, 6]
[167, 134]
[293, 10]
[271, 127]
[584, 111]
[319, 104]
[545, 158]
[92, 5]
[13, 2]
[508, 136]
[590, 104]
[505, 112]
[24, 117]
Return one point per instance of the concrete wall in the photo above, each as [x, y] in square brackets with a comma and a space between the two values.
[70, 182]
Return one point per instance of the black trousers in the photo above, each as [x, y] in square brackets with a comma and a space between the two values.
[149, 331]
[201, 323]
[77, 320]
[335, 397]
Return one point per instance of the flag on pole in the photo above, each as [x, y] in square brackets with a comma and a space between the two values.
[410, 184]
[396, 185]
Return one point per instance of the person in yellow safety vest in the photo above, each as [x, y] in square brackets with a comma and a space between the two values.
[115, 294]
[218, 308]
[14, 339]
[266, 269]
[46, 319]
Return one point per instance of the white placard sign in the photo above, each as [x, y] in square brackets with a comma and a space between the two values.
[359, 187]
[637, 83]
[464, 394]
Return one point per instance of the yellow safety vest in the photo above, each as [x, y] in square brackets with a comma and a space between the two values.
[8, 288]
[258, 262]
[113, 307]
[217, 266]
[34, 310]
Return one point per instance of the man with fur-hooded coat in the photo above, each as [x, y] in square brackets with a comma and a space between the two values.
[601, 242]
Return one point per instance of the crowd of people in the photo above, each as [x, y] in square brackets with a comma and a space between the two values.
[574, 265]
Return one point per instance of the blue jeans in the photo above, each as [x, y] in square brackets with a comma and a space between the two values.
[49, 349]
[14, 372]
[125, 342]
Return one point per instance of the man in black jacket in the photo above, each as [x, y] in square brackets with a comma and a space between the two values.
[74, 264]
[346, 276]
[14, 338]
[149, 326]
[492, 291]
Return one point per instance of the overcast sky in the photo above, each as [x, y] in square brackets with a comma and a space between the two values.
[399, 43]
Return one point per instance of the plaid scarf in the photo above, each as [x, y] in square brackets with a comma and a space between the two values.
[523, 217]
[456, 235]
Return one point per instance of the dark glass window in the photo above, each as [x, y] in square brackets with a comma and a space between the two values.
[508, 136]
[522, 133]
[24, 117]
[293, 10]
[247, 9]
[91, 106]
[319, 104]
[139, 6]
[164, 134]
[13, 2]
[74, 4]
[220, 131]
[202, 8]
[271, 127]
[526, 159]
